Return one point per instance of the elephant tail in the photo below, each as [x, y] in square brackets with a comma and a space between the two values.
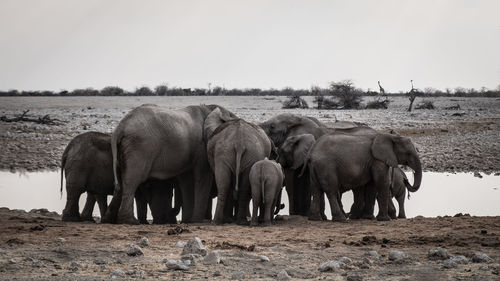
[262, 184]
[63, 164]
[115, 144]
[239, 152]
[306, 161]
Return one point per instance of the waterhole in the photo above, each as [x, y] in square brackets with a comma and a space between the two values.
[440, 194]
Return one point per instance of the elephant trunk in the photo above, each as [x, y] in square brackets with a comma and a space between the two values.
[417, 177]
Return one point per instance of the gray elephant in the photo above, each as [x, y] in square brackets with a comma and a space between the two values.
[154, 141]
[338, 162]
[266, 180]
[399, 184]
[233, 146]
[285, 125]
[87, 165]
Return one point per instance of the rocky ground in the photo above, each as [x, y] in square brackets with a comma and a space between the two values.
[37, 245]
[461, 140]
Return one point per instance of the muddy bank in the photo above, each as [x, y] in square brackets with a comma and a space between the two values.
[462, 140]
[31, 248]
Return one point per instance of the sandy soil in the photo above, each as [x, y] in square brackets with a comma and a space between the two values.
[469, 142]
[28, 245]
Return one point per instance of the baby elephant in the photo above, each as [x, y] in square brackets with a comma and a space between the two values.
[266, 181]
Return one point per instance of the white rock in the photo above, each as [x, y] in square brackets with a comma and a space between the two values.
[180, 244]
[194, 246]
[329, 266]
[212, 258]
[283, 275]
[481, 258]
[134, 250]
[177, 264]
[438, 253]
[118, 273]
[264, 258]
[395, 255]
[144, 242]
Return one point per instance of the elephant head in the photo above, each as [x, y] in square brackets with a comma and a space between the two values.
[279, 127]
[293, 153]
[394, 150]
[216, 118]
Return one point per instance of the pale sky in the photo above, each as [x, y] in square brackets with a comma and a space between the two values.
[66, 44]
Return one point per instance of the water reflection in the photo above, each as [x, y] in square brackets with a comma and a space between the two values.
[440, 194]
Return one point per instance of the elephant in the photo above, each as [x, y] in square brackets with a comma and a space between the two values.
[399, 184]
[154, 141]
[338, 162]
[159, 198]
[285, 125]
[87, 165]
[233, 146]
[266, 181]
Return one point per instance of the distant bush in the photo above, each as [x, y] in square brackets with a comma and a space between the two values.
[425, 104]
[143, 91]
[112, 91]
[378, 104]
[161, 90]
[348, 97]
[295, 101]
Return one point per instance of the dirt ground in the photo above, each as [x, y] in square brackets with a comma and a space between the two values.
[458, 140]
[28, 249]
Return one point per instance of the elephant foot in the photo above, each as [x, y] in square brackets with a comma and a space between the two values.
[108, 217]
[254, 223]
[368, 217]
[339, 219]
[73, 218]
[146, 222]
[267, 223]
[127, 220]
[315, 218]
[89, 219]
[242, 221]
[383, 218]
[401, 217]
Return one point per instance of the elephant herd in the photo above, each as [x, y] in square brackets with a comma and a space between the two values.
[181, 159]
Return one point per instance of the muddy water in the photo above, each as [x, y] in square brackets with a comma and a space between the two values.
[440, 194]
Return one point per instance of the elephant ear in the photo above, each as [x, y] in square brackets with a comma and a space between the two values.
[301, 150]
[383, 150]
[214, 120]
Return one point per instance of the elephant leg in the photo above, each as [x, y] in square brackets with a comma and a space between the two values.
[88, 209]
[256, 204]
[187, 191]
[208, 214]
[335, 206]
[141, 204]
[114, 205]
[223, 181]
[302, 194]
[401, 204]
[358, 205]
[370, 195]
[289, 186]
[202, 186]
[381, 180]
[317, 197]
[244, 196]
[391, 209]
[71, 210]
[102, 201]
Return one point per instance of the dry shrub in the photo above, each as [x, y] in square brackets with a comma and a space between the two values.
[426, 104]
[295, 101]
